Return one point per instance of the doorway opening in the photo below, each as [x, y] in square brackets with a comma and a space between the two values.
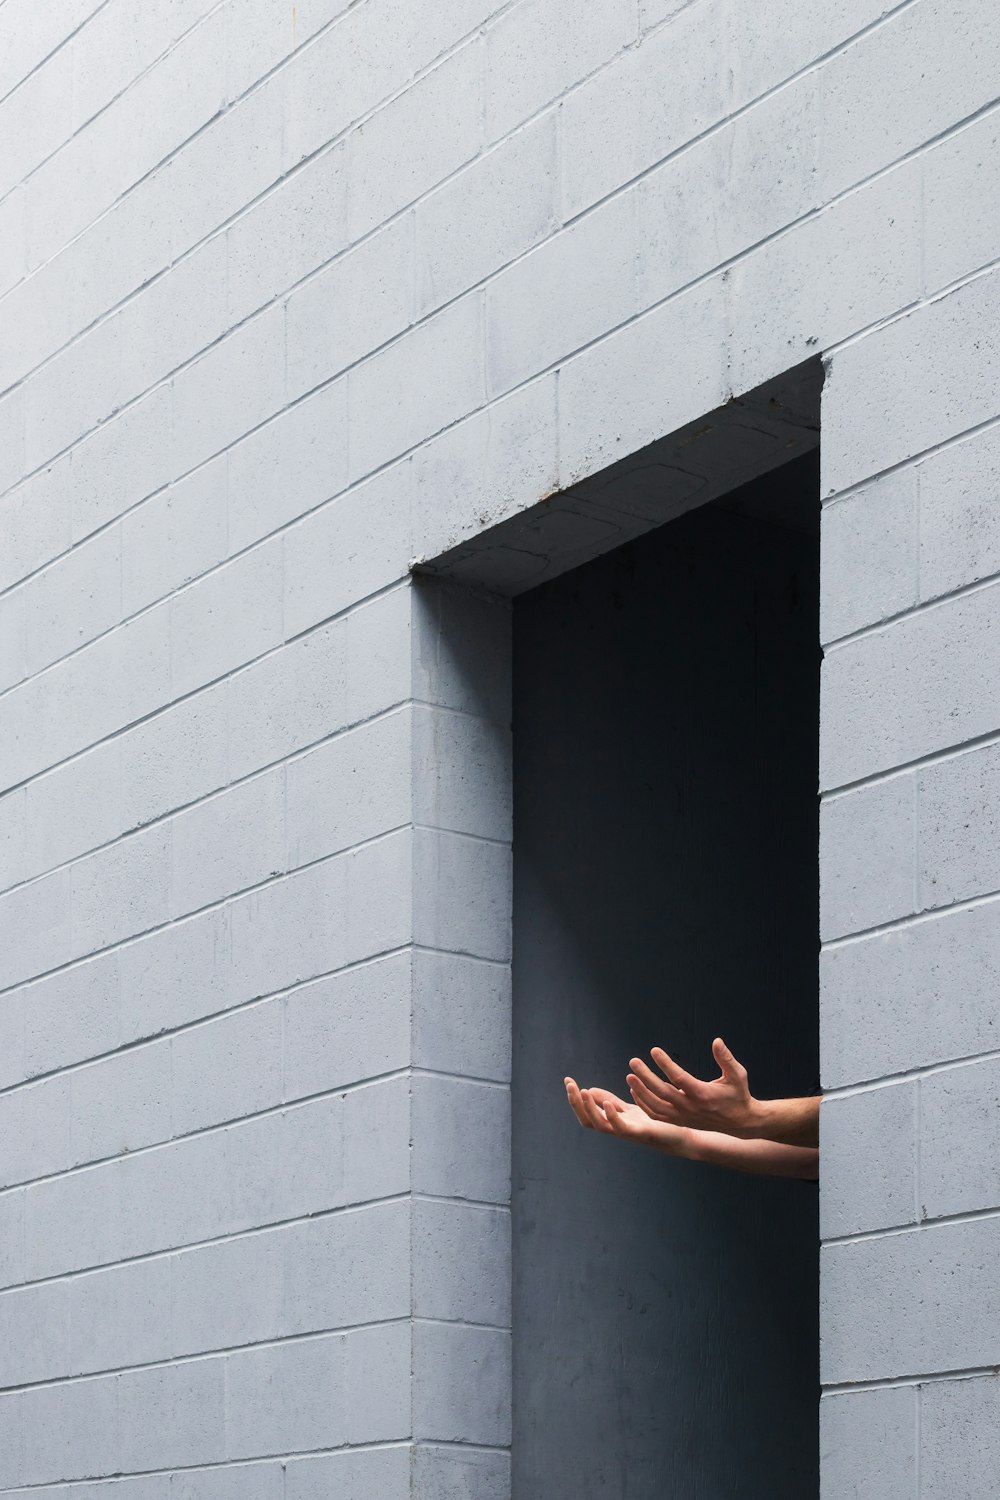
[666, 717]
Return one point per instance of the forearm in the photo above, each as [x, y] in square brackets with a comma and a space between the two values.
[759, 1157]
[790, 1122]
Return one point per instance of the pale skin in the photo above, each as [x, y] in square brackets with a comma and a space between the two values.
[716, 1121]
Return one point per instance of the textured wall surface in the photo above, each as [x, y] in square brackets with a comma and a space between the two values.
[289, 295]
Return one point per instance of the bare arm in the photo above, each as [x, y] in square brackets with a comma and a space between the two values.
[724, 1104]
[598, 1109]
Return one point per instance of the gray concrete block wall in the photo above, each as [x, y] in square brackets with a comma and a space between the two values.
[289, 299]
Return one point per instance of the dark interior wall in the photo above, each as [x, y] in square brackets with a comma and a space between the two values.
[665, 855]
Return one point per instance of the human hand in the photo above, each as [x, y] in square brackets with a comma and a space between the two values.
[722, 1104]
[600, 1110]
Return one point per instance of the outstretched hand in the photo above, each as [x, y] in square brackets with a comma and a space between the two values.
[599, 1109]
[678, 1098]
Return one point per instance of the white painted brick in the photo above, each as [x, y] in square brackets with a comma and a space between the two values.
[349, 1027]
[288, 1165]
[231, 389]
[537, 50]
[393, 405]
[74, 392]
[285, 1398]
[959, 1136]
[353, 788]
[12, 1238]
[461, 1015]
[228, 1294]
[876, 420]
[177, 1194]
[121, 463]
[480, 1472]
[175, 317]
[296, 228]
[868, 1444]
[957, 857]
[497, 208]
[461, 1262]
[958, 1427]
[34, 1334]
[39, 312]
[441, 115]
[461, 649]
[355, 546]
[599, 133]
[377, 1386]
[174, 536]
[378, 655]
[377, 1135]
[918, 686]
[28, 35]
[360, 302]
[648, 379]
[262, 34]
[290, 930]
[227, 1068]
[120, 1316]
[461, 1139]
[232, 841]
[35, 928]
[379, 880]
[36, 1125]
[566, 293]
[13, 839]
[74, 600]
[961, 178]
[352, 1474]
[72, 1222]
[227, 618]
[882, 1123]
[461, 771]
[259, 1481]
[869, 549]
[960, 514]
[176, 975]
[289, 699]
[120, 1104]
[122, 40]
[226, 166]
[175, 757]
[121, 890]
[13, 252]
[461, 1384]
[31, 540]
[652, 12]
[867, 857]
[347, 1268]
[12, 430]
[483, 469]
[70, 1429]
[118, 253]
[288, 466]
[37, 118]
[172, 1414]
[73, 1015]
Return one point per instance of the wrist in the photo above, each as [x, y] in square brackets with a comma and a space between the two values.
[757, 1121]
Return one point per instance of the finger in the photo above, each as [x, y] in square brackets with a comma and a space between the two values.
[650, 1103]
[576, 1102]
[603, 1095]
[727, 1062]
[597, 1117]
[615, 1112]
[673, 1072]
[656, 1085]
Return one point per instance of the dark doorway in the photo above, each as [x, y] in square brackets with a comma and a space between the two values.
[666, 714]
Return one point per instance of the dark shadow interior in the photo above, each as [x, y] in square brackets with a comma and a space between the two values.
[666, 714]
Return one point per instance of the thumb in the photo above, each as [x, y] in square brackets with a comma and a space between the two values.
[727, 1062]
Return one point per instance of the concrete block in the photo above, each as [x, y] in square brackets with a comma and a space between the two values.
[957, 816]
[351, 1475]
[649, 378]
[854, 263]
[288, 700]
[35, 928]
[919, 686]
[870, 550]
[441, 115]
[260, 1481]
[284, 1166]
[461, 1263]
[379, 672]
[12, 1439]
[921, 1300]
[170, 321]
[868, 1445]
[461, 1384]
[461, 1015]
[289, 930]
[34, 537]
[175, 1195]
[352, 307]
[121, 890]
[493, 211]
[352, 788]
[881, 1127]
[14, 865]
[174, 758]
[461, 773]
[120, 1104]
[493, 464]
[174, 537]
[74, 600]
[461, 650]
[958, 1437]
[536, 52]
[37, 118]
[117, 254]
[119, 464]
[451, 344]
[347, 1269]
[75, 808]
[228, 618]
[176, 975]
[119, 1317]
[294, 229]
[13, 644]
[357, 545]
[959, 515]
[378, 1382]
[12, 430]
[228, 1294]
[77, 389]
[73, 1222]
[12, 1238]
[229, 842]
[12, 1025]
[461, 1139]
[377, 1134]
[226, 1068]
[261, 37]
[115, 48]
[959, 1137]
[34, 1329]
[73, 1015]
[235, 386]
[462, 894]
[286, 1398]
[455, 1472]
[26, 46]
[36, 1122]
[872, 420]
[867, 842]
[576, 286]
[960, 177]
[379, 880]
[13, 240]
[173, 1415]
[71, 1430]
[910, 998]
[348, 1027]
[288, 466]
[763, 56]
